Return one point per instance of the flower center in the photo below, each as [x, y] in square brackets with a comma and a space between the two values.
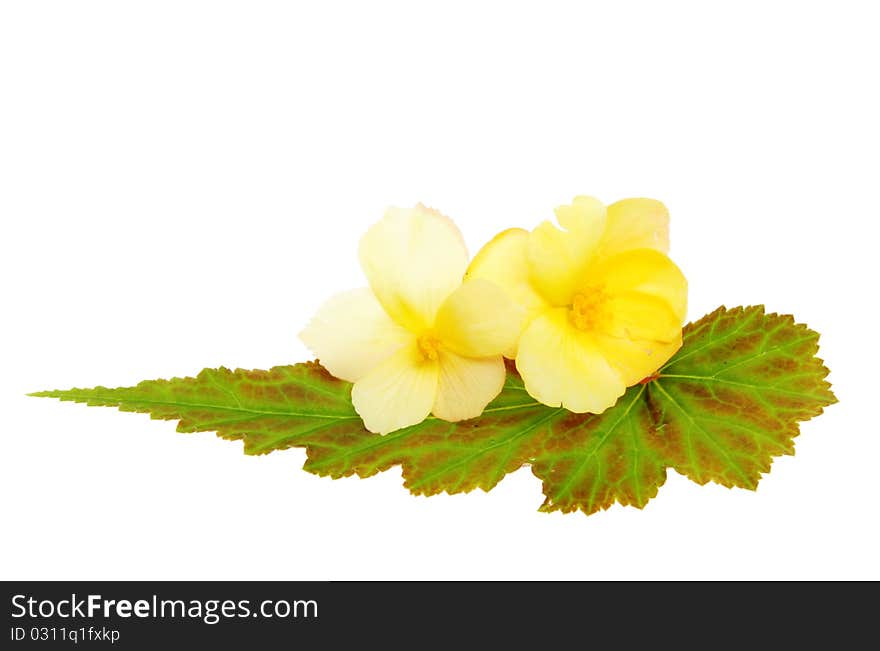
[587, 307]
[428, 346]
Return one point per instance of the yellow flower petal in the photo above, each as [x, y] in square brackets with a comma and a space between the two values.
[636, 359]
[558, 258]
[467, 385]
[504, 262]
[635, 224]
[642, 319]
[479, 320]
[635, 315]
[351, 334]
[413, 259]
[398, 393]
[563, 366]
[646, 271]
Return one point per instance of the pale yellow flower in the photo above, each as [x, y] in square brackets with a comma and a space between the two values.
[605, 305]
[418, 341]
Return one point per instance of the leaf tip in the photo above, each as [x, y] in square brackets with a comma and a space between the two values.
[43, 394]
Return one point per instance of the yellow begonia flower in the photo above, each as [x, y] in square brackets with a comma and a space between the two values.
[605, 305]
[419, 340]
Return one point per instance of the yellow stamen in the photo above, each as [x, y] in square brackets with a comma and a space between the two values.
[587, 308]
[428, 346]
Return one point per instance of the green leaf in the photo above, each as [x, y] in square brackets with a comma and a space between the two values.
[591, 462]
[304, 406]
[730, 400]
[284, 407]
[727, 402]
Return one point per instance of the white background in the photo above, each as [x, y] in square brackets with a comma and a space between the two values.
[183, 183]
